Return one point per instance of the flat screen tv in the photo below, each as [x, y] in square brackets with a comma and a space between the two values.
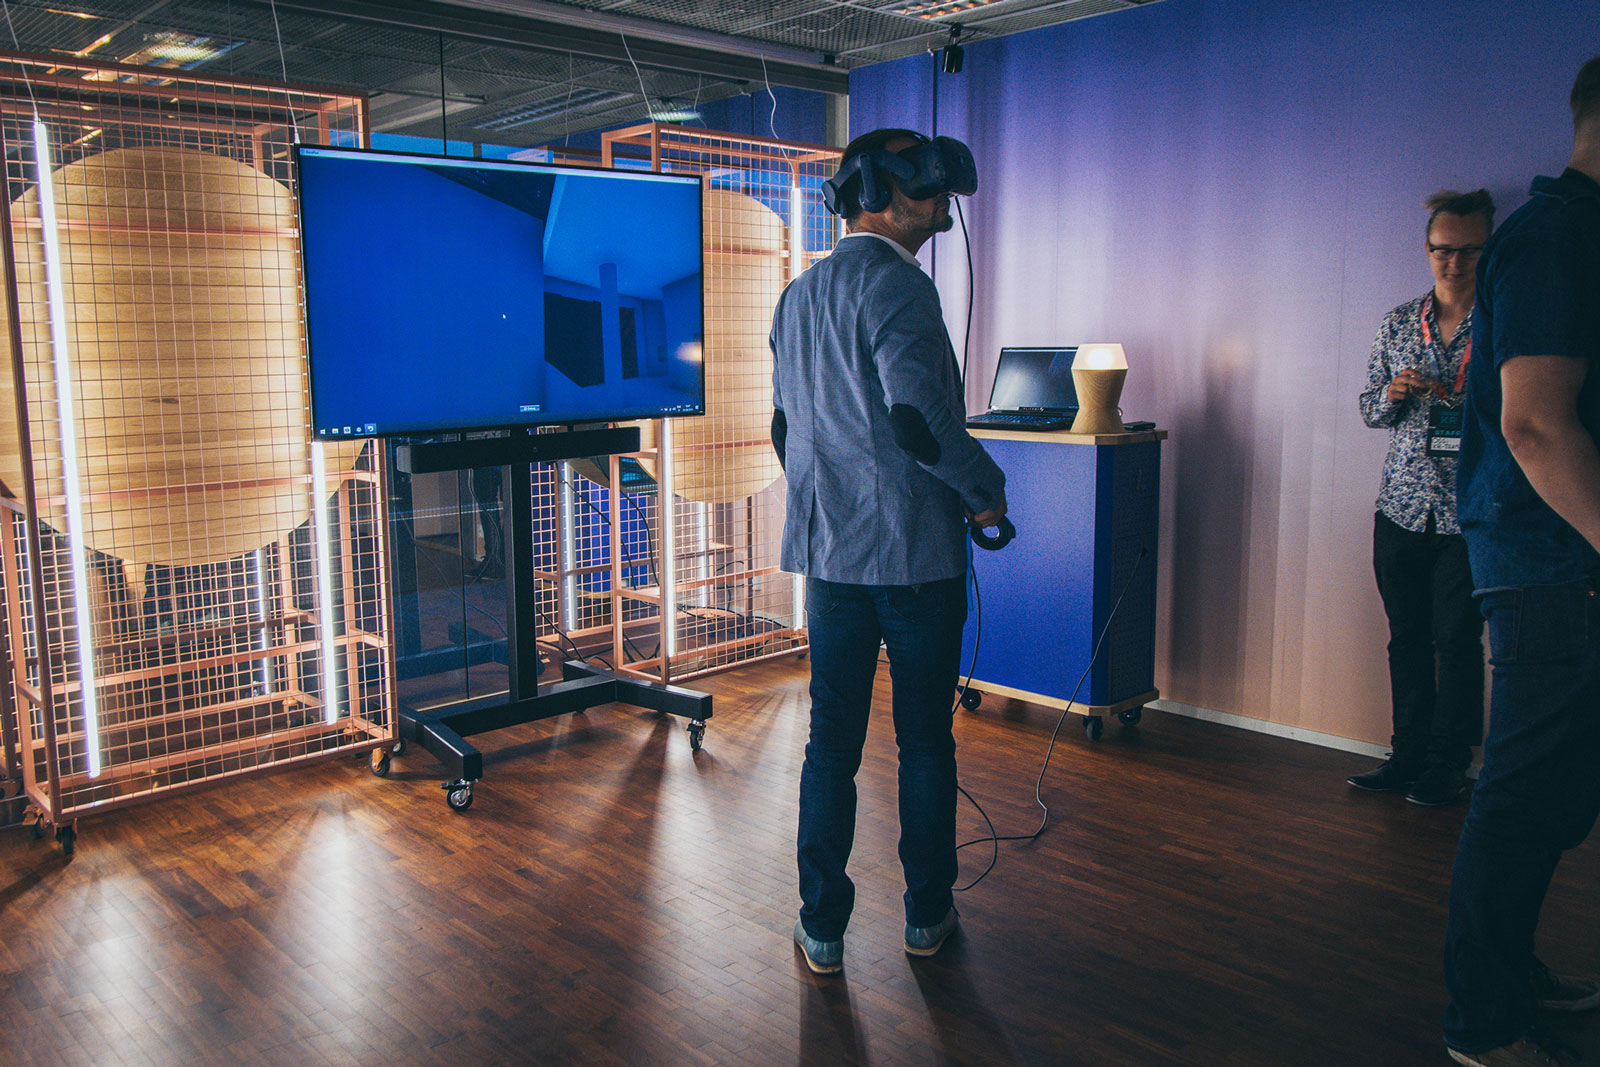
[456, 294]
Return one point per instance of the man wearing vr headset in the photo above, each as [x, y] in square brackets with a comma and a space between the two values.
[870, 426]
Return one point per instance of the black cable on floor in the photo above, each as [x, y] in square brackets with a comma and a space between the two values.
[994, 838]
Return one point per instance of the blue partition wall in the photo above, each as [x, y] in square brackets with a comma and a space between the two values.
[1233, 190]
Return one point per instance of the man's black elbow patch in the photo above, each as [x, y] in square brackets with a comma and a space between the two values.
[912, 434]
[780, 437]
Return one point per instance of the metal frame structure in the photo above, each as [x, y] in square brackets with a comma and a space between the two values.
[718, 512]
[192, 588]
[442, 729]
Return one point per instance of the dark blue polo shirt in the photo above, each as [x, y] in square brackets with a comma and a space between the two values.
[1538, 295]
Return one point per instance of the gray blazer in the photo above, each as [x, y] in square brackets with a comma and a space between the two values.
[859, 333]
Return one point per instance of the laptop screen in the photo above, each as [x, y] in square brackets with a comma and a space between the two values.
[1034, 378]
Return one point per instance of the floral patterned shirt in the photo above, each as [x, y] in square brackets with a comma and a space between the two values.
[1416, 486]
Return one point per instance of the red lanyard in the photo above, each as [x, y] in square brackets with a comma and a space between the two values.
[1427, 340]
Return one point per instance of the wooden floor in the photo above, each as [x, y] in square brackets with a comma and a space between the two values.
[1202, 896]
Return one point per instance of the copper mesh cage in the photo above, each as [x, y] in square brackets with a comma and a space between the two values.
[713, 516]
[192, 588]
[572, 525]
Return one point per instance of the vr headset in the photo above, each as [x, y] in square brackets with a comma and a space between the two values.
[927, 169]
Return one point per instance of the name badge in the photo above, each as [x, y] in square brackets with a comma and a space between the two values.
[1444, 430]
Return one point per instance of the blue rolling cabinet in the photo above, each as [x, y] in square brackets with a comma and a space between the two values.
[1086, 511]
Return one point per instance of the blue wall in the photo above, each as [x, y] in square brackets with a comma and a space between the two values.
[1233, 189]
[799, 116]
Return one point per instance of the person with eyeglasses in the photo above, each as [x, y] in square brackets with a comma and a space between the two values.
[1415, 380]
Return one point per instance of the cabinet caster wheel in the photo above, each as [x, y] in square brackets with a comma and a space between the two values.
[970, 699]
[458, 794]
[1130, 716]
[38, 828]
[379, 763]
[68, 836]
[697, 734]
[1093, 726]
[398, 748]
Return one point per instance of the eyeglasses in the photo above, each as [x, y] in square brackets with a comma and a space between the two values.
[1443, 252]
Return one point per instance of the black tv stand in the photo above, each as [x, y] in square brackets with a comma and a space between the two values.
[443, 730]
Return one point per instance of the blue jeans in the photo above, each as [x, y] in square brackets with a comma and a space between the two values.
[1538, 796]
[921, 626]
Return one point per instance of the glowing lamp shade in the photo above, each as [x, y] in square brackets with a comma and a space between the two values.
[1098, 372]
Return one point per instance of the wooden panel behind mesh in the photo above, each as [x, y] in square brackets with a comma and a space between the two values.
[181, 277]
[726, 456]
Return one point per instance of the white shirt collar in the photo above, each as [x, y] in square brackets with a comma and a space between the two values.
[891, 242]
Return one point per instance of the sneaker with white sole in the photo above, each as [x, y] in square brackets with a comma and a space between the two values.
[823, 957]
[1564, 992]
[1533, 1050]
[926, 940]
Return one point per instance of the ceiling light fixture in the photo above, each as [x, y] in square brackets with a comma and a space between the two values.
[668, 111]
[934, 9]
[179, 48]
[91, 46]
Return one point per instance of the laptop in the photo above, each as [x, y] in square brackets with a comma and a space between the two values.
[1032, 391]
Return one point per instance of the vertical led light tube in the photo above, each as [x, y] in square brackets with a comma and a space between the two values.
[83, 613]
[320, 523]
[261, 613]
[702, 515]
[797, 255]
[797, 231]
[669, 546]
[569, 550]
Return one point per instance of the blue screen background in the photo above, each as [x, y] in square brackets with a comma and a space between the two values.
[445, 297]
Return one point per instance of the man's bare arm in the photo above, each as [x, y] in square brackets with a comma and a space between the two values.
[1539, 417]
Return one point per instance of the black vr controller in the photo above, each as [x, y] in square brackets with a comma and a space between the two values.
[1004, 532]
[929, 168]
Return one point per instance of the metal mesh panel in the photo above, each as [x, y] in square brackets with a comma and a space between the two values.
[820, 27]
[399, 58]
[717, 521]
[192, 589]
[1011, 18]
[573, 527]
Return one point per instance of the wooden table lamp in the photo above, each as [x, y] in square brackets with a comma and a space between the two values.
[1097, 374]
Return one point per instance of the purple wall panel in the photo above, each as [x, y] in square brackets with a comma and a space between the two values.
[1233, 190]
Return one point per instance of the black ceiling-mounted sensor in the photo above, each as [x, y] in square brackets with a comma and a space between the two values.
[953, 53]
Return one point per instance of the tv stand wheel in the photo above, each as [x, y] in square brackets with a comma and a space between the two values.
[68, 836]
[398, 748]
[1130, 716]
[458, 794]
[1093, 726]
[971, 699]
[697, 734]
[378, 763]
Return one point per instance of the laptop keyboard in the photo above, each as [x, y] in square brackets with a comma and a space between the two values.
[1002, 420]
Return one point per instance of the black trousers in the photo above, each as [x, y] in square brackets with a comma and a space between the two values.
[1435, 643]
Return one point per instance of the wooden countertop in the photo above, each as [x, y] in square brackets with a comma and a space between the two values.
[1062, 437]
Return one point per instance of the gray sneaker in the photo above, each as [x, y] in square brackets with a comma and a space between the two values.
[926, 940]
[1564, 992]
[1534, 1050]
[823, 957]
